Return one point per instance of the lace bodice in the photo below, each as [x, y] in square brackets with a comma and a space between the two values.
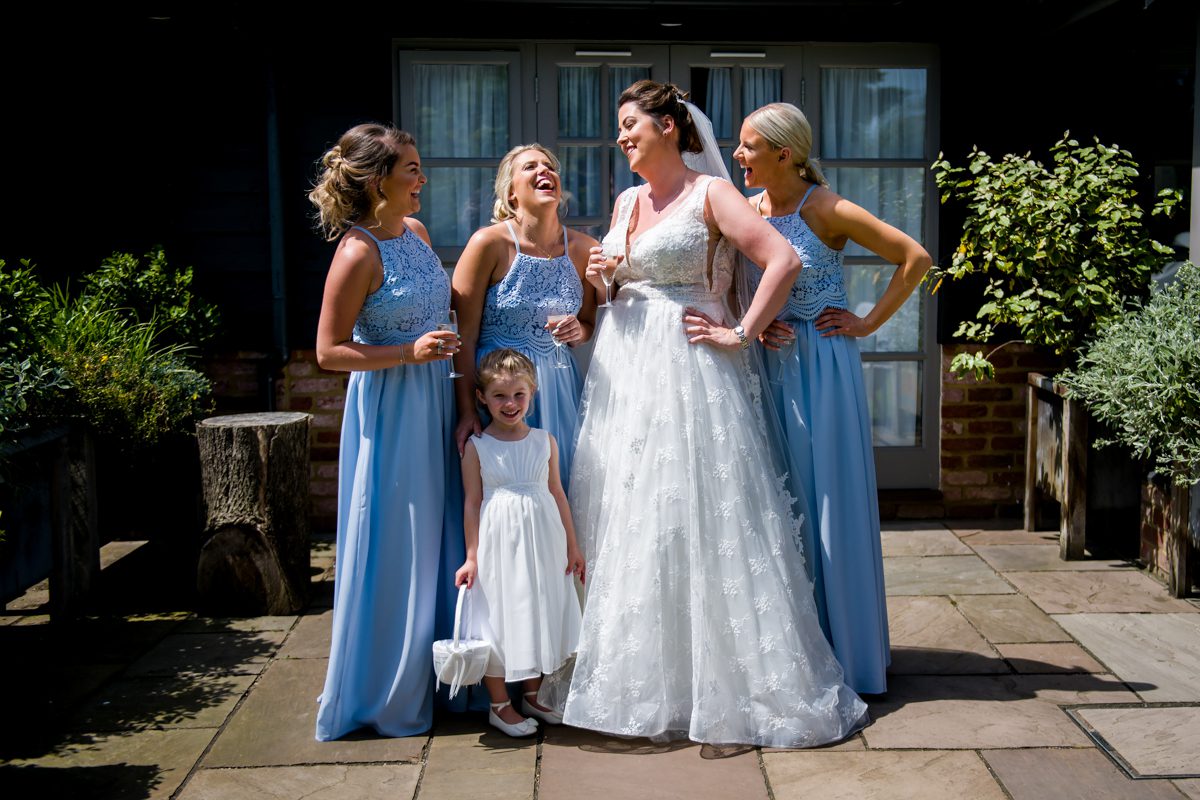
[821, 283]
[674, 255]
[515, 310]
[414, 297]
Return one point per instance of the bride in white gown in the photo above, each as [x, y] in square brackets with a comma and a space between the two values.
[698, 621]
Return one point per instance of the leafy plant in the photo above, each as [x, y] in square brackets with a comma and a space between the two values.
[26, 375]
[1141, 375]
[1064, 250]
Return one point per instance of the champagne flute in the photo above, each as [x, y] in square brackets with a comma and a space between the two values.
[450, 324]
[609, 274]
[559, 359]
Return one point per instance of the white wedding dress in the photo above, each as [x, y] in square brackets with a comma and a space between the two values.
[698, 621]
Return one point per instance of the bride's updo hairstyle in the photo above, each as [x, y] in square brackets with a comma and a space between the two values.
[362, 157]
[784, 125]
[504, 362]
[661, 100]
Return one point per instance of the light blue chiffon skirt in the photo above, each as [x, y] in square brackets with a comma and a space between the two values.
[818, 392]
[398, 500]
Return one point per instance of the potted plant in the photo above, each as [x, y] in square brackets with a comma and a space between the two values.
[1141, 376]
[1062, 250]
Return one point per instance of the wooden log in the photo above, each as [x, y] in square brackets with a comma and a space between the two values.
[1073, 523]
[254, 559]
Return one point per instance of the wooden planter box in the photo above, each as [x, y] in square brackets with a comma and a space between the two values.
[1098, 492]
[1170, 542]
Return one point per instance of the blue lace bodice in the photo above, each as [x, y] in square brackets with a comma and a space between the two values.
[414, 297]
[821, 283]
[515, 309]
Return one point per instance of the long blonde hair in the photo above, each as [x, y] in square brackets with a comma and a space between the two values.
[362, 157]
[503, 208]
[784, 125]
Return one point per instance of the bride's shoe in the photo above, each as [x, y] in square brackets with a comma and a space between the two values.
[526, 727]
[545, 715]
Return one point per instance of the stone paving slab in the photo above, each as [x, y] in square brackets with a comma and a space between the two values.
[469, 758]
[978, 712]
[911, 525]
[145, 764]
[1009, 619]
[311, 638]
[275, 726]
[581, 765]
[1040, 558]
[880, 775]
[232, 653]
[930, 637]
[1070, 775]
[977, 538]
[1041, 657]
[1159, 654]
[853, 743]
[941, 575]
[1190, 788]
[140, 703]
[1096, 592]
[316, 782]
[1153, 741]
[922, 543]
[242, 624]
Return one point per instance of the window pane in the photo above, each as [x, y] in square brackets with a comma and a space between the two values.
[865, 284]
[894, 395]
[620, 79]
[461, 110]
[872, 113]
[456, 202]
[760, 85]
[894, 194]
[578, 101]
[712, 91]
[581, 180]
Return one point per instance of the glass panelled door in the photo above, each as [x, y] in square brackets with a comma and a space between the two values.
[872, 117]
[578, 89]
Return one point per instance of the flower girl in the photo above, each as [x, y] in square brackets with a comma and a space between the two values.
[521, 548]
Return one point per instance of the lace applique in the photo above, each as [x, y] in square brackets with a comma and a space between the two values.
[414, 296]
[515, 310]
[821, 283]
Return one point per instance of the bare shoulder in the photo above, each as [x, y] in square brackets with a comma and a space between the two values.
[580, 244]
[356, 248]
[416, 226]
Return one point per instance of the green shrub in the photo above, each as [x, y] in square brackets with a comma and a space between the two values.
[27, 377]
[1064, 250]
[1141, 375]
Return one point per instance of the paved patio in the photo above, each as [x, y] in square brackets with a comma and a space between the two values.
[1010, 667]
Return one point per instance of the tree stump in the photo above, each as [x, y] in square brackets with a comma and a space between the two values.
[254, 557]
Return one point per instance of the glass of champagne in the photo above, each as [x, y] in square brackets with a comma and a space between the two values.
[560, 361]
[450, 324]
[609, 273]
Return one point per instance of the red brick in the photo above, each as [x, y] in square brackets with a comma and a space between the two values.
[952, 462]
[327, 471]
[324, 454]
[989, 493]
[327, 420]
[951, 493]
[1042, 362]
[969, 478]
[1001, 359]
[989, 426]
[963, 445]
[989, 460]
[1008, 411]
[298, 403]
[1008, 443]
[315, 386]
[1009, 478]
[300, 369]
[325, 506]
[952, 428]
[244, 385]
[972, 410]
[329, 437]
[988, 395]
[322, 488]
[333, 402]
[952, 395]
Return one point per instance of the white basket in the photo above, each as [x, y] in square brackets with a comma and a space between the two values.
[460, 661]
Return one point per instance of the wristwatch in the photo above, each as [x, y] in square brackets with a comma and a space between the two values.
[741, 334]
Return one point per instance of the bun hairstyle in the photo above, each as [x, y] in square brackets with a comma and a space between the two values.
[661, 100]
[504, 362]
[503, 208]
[784, 125]
[350, 170]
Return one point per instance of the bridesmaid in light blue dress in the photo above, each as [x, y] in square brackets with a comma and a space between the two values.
[815, 371]
[519, 284]
[385, 294]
